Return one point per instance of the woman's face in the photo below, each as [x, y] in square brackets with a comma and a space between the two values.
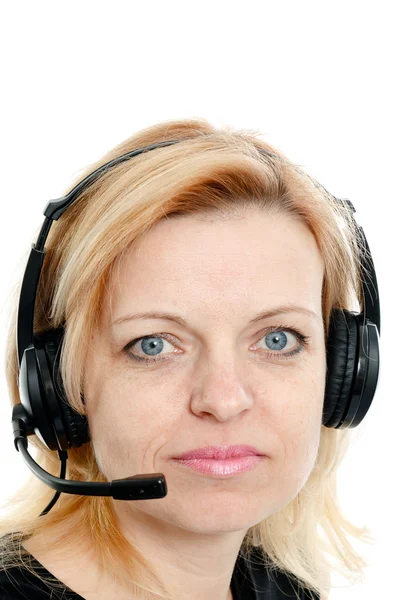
[223, 379]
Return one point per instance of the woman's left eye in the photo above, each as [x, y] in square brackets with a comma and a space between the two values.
[276, 339]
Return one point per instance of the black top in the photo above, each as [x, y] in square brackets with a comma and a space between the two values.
[249, 582]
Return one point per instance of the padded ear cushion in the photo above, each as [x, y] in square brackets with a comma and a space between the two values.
[342, 357]
[76, 425]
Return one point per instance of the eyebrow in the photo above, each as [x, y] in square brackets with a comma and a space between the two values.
[262, 315]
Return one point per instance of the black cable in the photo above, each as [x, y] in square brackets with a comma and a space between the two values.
[63, 458]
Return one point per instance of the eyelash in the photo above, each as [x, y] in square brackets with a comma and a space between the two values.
[303, 339]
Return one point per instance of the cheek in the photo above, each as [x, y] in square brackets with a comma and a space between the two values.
[298, 423]
[130, 422]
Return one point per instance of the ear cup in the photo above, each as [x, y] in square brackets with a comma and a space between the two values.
[70, 427]
[32, 394]
[342, 363]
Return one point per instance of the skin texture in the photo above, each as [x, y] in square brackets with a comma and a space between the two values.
[220, 385]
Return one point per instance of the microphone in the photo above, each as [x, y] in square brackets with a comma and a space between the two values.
[135, 487]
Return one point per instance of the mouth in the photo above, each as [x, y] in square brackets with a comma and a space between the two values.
[221, 461]
[221, 468]
[220, 452]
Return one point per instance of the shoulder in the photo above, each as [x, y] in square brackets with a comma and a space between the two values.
[16, 581]
[252, 580]
[19, 583]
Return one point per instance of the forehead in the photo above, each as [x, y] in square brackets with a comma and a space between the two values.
[192, 260]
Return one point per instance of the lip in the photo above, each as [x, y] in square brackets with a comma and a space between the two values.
[220, 468]
[220, 453]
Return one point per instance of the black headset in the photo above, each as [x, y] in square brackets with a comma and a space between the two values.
[351, 380]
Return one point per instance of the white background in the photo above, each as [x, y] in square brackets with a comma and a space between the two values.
[318, 79]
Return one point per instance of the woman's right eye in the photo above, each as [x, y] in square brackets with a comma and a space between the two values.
[151, 345]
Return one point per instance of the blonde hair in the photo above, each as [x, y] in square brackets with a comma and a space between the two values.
[210, 170]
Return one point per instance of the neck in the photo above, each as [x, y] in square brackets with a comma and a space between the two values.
[194, 566]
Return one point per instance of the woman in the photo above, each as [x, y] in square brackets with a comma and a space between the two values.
[193, 284]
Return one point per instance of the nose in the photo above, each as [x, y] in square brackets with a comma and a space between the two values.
[221, 389]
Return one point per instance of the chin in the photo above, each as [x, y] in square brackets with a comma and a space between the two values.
[218, 519]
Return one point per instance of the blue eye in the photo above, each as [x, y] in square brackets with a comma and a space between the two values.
[276, 339]
[151, 345]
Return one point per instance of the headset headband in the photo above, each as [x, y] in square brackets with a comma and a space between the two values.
[55, 208]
